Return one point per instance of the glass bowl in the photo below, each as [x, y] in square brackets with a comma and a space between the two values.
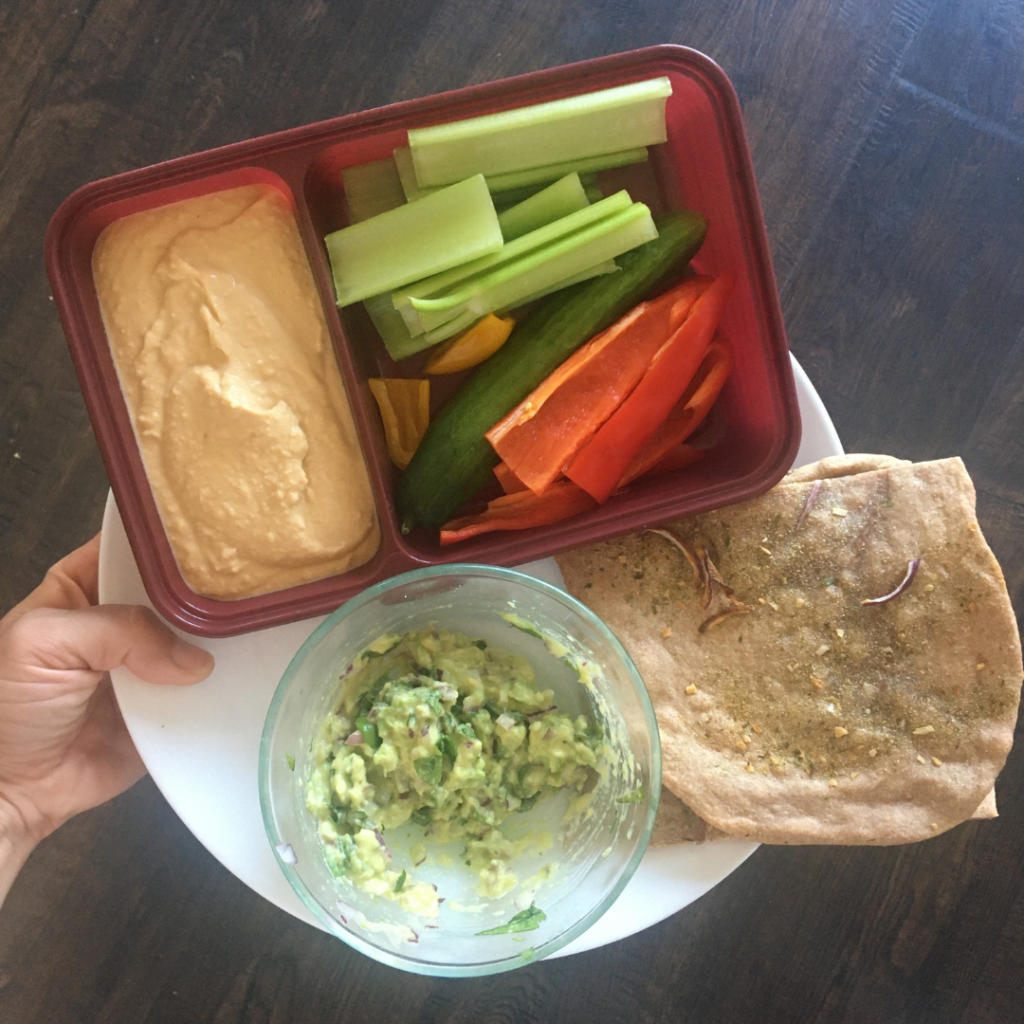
[594, 852]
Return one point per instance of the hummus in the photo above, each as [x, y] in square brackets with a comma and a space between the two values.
[227, 367]
[443, 731]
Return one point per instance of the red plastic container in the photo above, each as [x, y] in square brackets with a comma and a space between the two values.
[705, 165]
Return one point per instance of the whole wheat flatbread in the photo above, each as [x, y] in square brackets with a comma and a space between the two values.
[790, 699]
[676, 823]
[834, 466]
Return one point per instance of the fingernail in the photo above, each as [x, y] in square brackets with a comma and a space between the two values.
[190, 658]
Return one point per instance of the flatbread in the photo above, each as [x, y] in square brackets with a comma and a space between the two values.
[834, 466]
[813, 718]
[676, 824]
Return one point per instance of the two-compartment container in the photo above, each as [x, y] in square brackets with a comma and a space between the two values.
[705, 165]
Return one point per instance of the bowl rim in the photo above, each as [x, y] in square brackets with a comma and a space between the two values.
[276, 839]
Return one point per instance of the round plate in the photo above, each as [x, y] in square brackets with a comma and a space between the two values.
[201, 743]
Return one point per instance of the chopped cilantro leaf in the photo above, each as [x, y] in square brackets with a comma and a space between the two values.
[291, 762]
[429, 769]
[369, 730]
[401, 881]
[447, 745]
[525, 921]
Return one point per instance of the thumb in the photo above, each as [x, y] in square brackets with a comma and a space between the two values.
[100, 638]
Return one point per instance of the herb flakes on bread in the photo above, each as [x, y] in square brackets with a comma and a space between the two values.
[814, 717]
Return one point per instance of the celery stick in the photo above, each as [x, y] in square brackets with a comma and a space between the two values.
[624, 117]
[371, 188]
[395, 335]
[608, 267]
[441, 284]
[391, 327]
[510, 197]
[539, 237]
[541, 269]
[593, 194]
[456, 225]
[407, 176]
[565, 196]
[442, 287]
[465, 319]
[401, 344]
[499, 183]
[567, 257]
[509, 189]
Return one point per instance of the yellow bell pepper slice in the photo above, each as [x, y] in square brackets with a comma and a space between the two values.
[472, 346]
[405, 409]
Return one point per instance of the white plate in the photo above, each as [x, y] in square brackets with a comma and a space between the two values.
[201, 743]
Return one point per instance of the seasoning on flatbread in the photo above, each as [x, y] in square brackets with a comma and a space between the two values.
[816, 718]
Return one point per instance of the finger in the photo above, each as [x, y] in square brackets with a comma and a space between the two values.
[70, 583]
[107, 747]
[97, 639]
[82, 567]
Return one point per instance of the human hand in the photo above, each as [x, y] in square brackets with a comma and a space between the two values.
[64, 746]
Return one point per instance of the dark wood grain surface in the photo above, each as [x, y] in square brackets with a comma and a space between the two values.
[888, 139]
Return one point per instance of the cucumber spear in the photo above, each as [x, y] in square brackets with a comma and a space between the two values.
[454, 460]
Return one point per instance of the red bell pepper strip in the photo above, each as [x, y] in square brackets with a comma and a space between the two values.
[537, 438]
[520, 511]
[680, 457]
[510, 483]
[599, 465]
[687, 414]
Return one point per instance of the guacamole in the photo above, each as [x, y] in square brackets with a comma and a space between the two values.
[453, 735]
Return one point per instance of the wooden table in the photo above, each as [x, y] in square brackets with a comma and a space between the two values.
[888, 138]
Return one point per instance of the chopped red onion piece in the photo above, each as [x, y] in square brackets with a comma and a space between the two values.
[415, 937]
[809, 503]
[907, 580]
[505, 721]
[355, 739]
[447, 692]
[691, 555]
[286, 853]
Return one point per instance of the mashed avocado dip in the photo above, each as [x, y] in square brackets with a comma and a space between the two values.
[446, 732]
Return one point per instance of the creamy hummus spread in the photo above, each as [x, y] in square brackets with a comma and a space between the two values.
[227, 367]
